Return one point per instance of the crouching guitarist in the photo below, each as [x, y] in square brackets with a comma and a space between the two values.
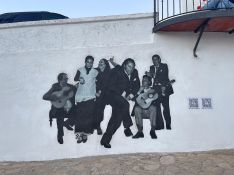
[144, 107]
[61, 95]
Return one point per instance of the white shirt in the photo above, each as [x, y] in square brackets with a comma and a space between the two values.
[87, 91]
[129, 76]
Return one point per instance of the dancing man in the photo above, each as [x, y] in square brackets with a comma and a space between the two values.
[123, 86]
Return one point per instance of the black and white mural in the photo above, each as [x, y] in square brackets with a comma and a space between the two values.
[80, 107]
[64, 95]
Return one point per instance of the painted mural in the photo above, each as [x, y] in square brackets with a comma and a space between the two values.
[80, 108]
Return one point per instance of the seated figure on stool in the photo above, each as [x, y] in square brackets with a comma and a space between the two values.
[144, 108]
[61, 95]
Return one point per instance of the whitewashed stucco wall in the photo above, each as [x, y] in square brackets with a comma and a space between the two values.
[33, 53]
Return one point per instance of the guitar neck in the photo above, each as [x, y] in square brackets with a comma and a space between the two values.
[165, 84]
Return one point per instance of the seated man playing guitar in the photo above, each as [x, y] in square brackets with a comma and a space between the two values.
[144, 107]
[61, 95]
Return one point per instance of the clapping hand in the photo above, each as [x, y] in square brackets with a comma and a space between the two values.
[129, 97]
[141, 89]
[98, 94]
[111, 59]
[82, 80]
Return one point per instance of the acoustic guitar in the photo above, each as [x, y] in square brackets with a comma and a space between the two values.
[145, 99]
[63, 97]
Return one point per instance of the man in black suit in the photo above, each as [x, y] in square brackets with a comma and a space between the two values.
[123, 86]
[159, 73]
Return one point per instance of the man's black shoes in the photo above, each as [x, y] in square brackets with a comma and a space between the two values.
[168, 127]
[153, 134]
[106, 145]
[128, 132]
[84, 138]
[138, 135]
[99, 131]
[79, 138]
[60, 139]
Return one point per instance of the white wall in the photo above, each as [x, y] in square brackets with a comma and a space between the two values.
[33, 53]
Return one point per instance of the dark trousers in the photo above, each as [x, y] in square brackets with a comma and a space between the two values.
[140, 114]
[59, 114]
[60, 123]
[159, 118]
[120, 112]
[71, 117]
[100, 105]
[166, 110]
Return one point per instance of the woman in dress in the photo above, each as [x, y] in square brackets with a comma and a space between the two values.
[102, 80]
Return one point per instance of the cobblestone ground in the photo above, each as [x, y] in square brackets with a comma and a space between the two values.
[200, 163]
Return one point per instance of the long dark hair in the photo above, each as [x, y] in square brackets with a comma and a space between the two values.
[107, 64]
[107, 68]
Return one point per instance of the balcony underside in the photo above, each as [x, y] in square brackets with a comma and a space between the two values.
[219, 21]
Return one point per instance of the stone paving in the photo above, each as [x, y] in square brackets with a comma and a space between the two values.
[219, 162]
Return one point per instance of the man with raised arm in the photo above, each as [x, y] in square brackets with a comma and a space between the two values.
[123, 86]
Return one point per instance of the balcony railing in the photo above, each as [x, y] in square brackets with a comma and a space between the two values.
[171, 8]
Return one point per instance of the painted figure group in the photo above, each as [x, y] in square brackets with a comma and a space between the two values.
[83, 104]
